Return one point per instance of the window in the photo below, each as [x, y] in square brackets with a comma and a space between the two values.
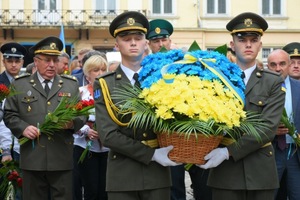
[271, 7]
[109, 5]
[162, 7]
[47, 4]
[216, 7]
[267, 51]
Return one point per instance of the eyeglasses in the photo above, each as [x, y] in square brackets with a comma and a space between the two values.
[48, 60]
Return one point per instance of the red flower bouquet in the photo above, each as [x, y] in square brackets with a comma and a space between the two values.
[11, 180]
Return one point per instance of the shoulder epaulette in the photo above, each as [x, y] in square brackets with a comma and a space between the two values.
[270, 72]
[106, 74]
[69, 77]
[22, 75]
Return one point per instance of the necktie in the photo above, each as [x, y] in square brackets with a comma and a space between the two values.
[136, 78]
[281, 141]
[46, 88]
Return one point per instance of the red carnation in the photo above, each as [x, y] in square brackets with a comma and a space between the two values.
[19, 182]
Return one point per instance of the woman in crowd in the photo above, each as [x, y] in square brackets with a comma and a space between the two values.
[92, 168]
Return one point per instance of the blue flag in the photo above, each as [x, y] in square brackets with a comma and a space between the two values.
[62, 37]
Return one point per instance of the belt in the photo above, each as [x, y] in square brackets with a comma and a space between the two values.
[150, 143]
[227, 141]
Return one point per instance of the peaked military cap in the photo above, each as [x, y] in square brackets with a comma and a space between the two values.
[129, 22]
[159, 28]
[13, 50]
[247, 23]
[49, 46]
[293, 49]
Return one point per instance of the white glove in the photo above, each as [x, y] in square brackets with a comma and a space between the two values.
[161, 156]
[215, 158]
[92, 118]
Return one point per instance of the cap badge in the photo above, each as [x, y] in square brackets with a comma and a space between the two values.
[296, 51]
[248, 22]
[130, 21]
[157, 30]
[53, 45]
[13, 50]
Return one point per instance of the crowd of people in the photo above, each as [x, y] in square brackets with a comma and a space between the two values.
[118, 165]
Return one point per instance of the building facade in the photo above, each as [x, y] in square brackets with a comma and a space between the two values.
[85, 23]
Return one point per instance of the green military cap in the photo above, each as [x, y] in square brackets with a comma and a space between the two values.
[13, 50]
[159, 28]
[247, 23]
[293, 49]
[129, 22]
[48, 46]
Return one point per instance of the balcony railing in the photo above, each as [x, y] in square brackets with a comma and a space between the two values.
[69, 18]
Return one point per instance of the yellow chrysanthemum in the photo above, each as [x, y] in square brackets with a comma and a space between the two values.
[195, 98]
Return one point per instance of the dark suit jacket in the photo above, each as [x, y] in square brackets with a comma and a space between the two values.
[128, 158]
[4, 79]
[30, 107]
[251, 166]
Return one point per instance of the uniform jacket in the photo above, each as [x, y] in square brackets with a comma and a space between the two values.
[29, 107]
[128, 158]
[251, 166]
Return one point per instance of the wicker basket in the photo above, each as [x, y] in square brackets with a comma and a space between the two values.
[190, 150]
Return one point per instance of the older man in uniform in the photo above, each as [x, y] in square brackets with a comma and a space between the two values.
[293, 49]
[159, 34]
[46, 162]
[245, 169]
[134, 154]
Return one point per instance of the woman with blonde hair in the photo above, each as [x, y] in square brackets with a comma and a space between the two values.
[92, 169]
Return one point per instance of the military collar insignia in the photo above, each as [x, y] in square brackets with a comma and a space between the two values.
[130, 21]
[157, 30]
[119, 76]
[258, 74]
[248, 22]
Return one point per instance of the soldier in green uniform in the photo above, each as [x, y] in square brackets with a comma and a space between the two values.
[159, 34]
[46, 165]
[245, 169]
[136, 166]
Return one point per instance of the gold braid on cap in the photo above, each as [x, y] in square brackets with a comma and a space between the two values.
[129, 28]
[259, 30]
[47, 51]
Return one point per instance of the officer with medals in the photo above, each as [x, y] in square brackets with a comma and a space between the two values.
[46, 162]
[134, 153]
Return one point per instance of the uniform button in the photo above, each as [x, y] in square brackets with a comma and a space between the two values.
[115, 156]
[260, 103]
[49, 138]
[48, 103]
[145, 134]
[271, 153]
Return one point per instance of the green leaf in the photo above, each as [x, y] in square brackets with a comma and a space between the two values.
[222, 49]
[163, 49]
[194, 47]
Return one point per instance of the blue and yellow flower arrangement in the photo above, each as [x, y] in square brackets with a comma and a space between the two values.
[190, 93]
